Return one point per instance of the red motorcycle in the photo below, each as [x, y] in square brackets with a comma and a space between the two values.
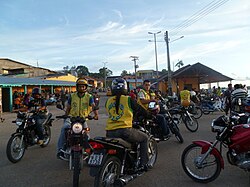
[203, 162]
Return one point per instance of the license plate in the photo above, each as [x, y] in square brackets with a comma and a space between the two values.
[95, 159]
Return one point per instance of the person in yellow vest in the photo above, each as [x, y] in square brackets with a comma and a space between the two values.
[120, 108]
[146, 95]
[80, 103]
[185, 97]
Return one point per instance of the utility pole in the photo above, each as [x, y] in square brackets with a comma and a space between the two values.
[169, 67]
[105, 75]
[134, 58]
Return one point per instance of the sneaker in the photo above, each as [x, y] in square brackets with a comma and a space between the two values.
[166, 137]
[40, 142]
[60, 155]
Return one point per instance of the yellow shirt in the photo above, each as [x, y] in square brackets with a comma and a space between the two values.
[185, 97]
[145, 95]
[125, 114]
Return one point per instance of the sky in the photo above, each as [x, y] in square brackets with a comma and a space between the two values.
[54, 34]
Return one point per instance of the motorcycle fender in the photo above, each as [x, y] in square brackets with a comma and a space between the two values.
[205, 146]
[16, 133]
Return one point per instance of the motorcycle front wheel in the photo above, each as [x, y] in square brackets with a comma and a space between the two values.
[152, 152]
[207, 171]
[176, 131]
[15, 148]
[47, 135]
[197, 112]
[76, 168]
[191, 123]
[108, 173]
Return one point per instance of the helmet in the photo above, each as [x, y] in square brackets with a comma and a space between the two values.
[81, 81]
[36, 91]
[153, 107]
[119, 86]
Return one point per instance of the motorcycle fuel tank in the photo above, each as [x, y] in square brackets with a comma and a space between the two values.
[241, 138]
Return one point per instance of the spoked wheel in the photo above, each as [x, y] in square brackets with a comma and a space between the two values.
[15, 148]
[108, 173]
[191, 123]
[197, 112]
[204, 172]
[176, 131]
[47, 135]
[76, 168]
[152, 152]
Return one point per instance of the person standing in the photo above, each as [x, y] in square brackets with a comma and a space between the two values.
[228, 99]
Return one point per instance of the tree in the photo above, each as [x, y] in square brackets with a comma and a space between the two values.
[179, 64]
[124, 73]
[66, 69]
[102, 72]
[82, 71]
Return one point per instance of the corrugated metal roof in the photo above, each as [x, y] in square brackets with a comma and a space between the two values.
[10, 81]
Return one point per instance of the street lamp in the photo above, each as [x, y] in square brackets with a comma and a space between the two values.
[169, 67]
[157, 75]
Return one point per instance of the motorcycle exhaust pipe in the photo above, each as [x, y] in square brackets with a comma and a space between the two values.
[122, 181]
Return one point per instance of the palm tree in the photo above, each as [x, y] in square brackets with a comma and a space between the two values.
[179, 64]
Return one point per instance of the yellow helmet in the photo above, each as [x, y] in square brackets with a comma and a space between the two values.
[82, 81]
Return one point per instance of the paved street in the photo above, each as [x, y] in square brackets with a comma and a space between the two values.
[39, 166]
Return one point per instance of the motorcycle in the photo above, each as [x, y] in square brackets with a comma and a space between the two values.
[181, 113]
[26, 135]
[76, 143]
[202, 161]
[155, 129]
[210, 105]
[115, 162]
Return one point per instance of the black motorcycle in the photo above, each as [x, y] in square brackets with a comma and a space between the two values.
[115, 162]
[181, 113]
[26, 135]
[76, 143]
[155, 129]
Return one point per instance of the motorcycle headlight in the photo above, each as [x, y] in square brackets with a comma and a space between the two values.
[77, 128]
[19, 122]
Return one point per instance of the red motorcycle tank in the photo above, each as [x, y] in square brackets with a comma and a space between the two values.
[241, 138]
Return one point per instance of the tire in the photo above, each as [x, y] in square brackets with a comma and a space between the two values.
[206, 110]
[152, 152]
[176, 131]
[47, 135]
[209, 170]
[197, 113]
[14, 150]
[76, 168]
[191, 123]
[109, 171]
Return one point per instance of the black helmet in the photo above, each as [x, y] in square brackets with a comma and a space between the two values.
[119, 86]
[36, 91]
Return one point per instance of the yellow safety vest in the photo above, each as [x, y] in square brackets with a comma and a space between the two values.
[125, 114]
[148, 96]
[80, 106]
[185, 98]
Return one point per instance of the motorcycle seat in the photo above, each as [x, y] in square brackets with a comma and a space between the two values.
[116, 141]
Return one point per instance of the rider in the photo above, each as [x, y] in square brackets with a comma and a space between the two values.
[145, 96]
[120, 108]
[185, 97]
[80, 103]
[37, 103]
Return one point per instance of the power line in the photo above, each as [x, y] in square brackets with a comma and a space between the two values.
[198, 15]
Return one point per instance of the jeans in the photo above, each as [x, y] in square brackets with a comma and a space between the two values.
[133, 136]
[39, 118]
[161, 121]
[62, 139]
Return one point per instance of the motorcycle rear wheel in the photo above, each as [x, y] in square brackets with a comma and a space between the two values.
[76, 168]
[207, 172]
[14, 150]
[108, 173]
[197, 113]
[191, 123]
